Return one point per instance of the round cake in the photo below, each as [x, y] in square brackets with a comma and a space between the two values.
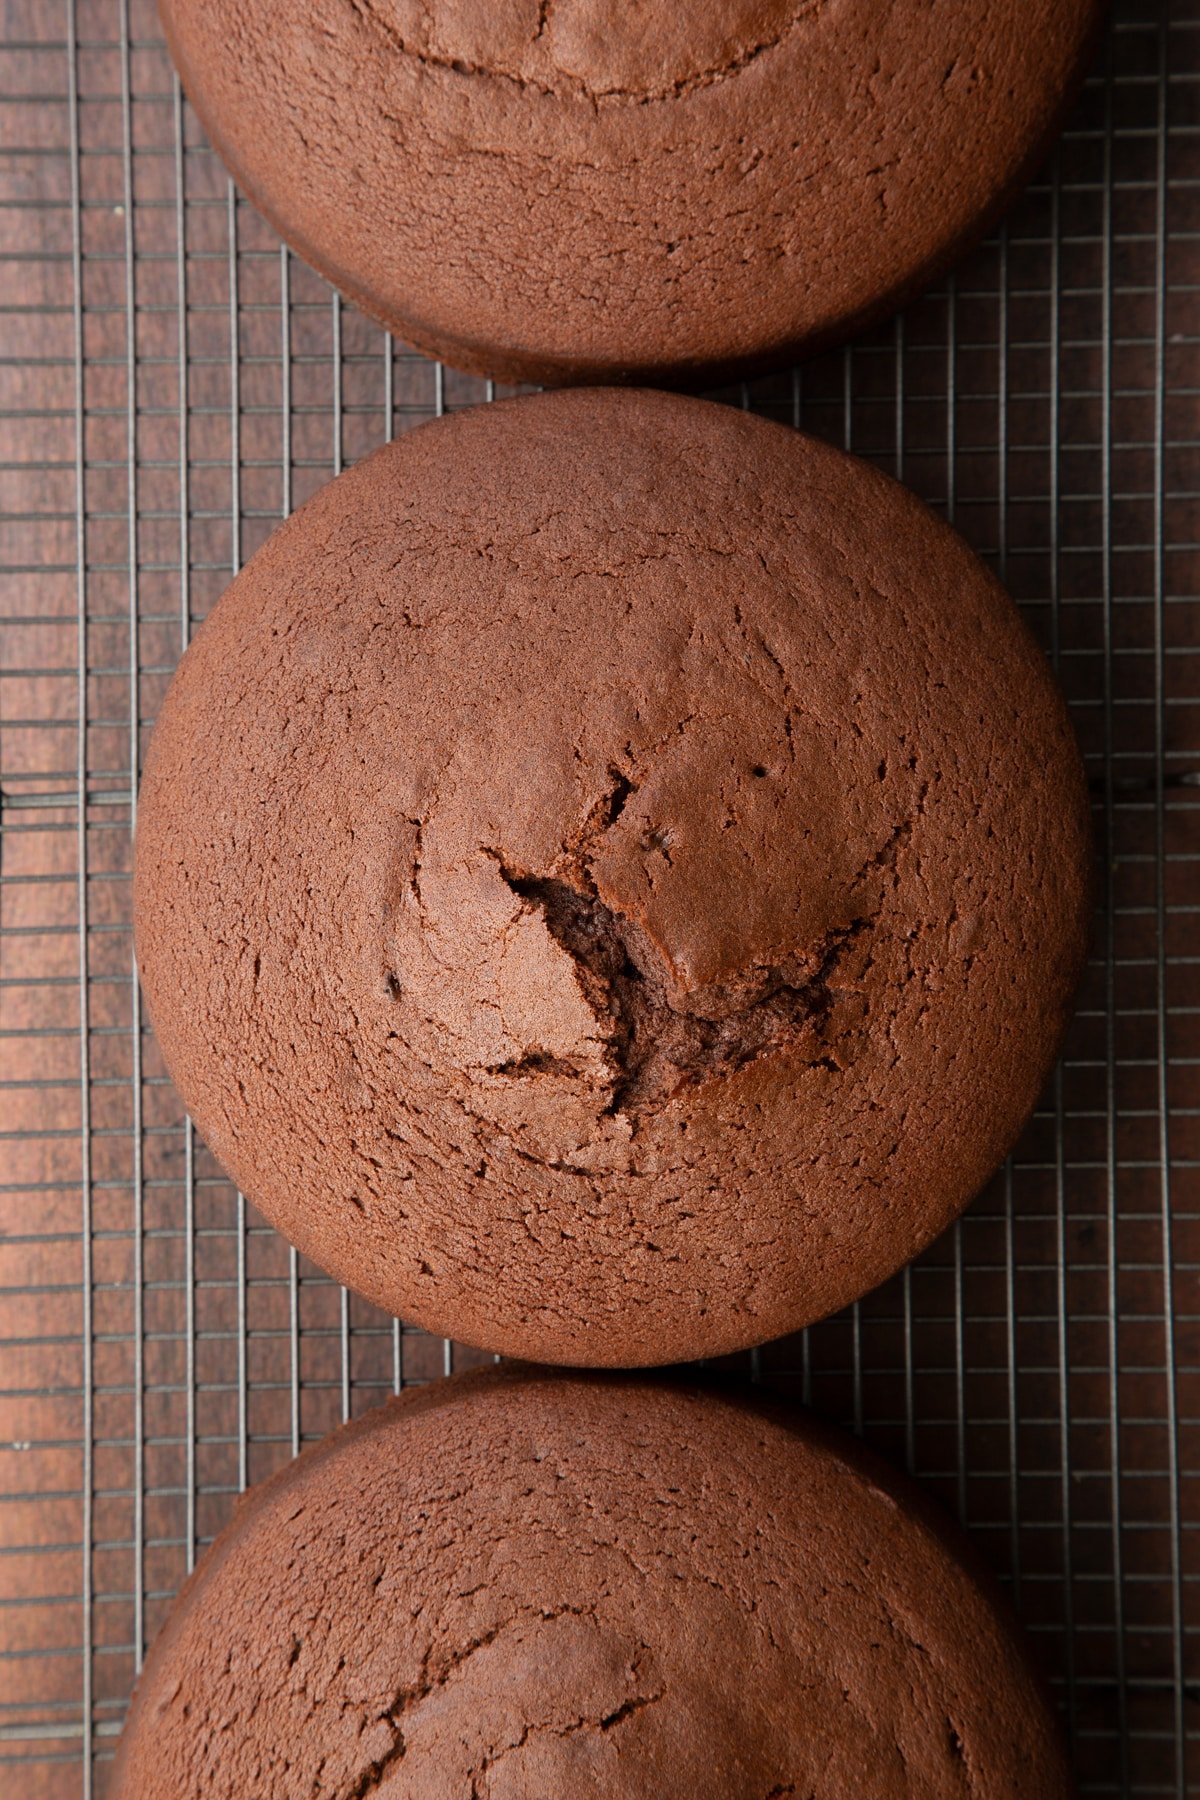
[574, 190]
[611, 875]
[510, 1588]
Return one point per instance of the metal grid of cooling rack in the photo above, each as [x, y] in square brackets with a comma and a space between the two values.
[171, 384]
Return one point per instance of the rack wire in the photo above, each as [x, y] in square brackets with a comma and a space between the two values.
[172, 383]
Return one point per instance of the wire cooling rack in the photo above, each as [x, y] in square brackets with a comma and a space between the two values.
[173, 383]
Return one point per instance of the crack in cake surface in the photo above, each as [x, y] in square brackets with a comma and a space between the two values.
[660, 1038]
[521, 50]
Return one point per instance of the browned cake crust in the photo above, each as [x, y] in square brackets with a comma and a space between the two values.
[573, 190]
[611, 876]
[516, 1587]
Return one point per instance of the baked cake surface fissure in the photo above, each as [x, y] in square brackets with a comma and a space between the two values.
[661, 1041]
[615, 71]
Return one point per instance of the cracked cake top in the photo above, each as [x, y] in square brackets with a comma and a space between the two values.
[578, 190]
[516, 1587]
[611, 875]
